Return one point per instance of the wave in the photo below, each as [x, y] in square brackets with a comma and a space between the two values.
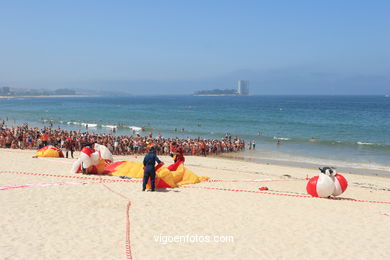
[364, 143]
[327, 142]
[135, 128]
[89, 125]
[281, 138]
[82, 124]
[109, 126]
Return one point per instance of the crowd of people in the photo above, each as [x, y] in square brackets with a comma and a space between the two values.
[25, 137]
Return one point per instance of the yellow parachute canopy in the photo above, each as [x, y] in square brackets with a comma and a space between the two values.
[164, 177]
[49, 151]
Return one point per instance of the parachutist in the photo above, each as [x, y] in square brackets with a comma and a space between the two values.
[150, 170]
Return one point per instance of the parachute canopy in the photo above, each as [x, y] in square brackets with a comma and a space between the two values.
[49, 151]
[166, 177]
[105, 153]
[91, 161]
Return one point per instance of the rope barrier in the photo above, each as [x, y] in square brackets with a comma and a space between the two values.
[6, 187]
[100, 179]
[127, 240]
[253, 180]
[288, 195]
[71, 177]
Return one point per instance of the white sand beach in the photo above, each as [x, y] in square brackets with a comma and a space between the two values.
[87, 219]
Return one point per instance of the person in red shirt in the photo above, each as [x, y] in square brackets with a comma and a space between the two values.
[179, 155]
[44, 138]
[203, 147]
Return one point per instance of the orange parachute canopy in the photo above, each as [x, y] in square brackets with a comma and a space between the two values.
[165, 178]
[49, 151]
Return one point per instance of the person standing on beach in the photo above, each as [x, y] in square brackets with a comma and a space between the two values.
[149, 170]
[203, 148]
[69, 146]
[44, 138]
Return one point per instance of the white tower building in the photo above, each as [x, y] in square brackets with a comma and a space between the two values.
[243, 88]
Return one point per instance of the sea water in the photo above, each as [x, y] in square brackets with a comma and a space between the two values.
[341, 131]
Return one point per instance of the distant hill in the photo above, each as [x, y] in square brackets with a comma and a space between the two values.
[7, 91]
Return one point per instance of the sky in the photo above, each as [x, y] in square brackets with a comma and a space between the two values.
[178, 47]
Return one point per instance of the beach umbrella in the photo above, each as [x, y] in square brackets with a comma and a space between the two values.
[49, 151]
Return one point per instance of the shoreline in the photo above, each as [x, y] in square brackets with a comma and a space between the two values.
[275, 159]
[350, 170]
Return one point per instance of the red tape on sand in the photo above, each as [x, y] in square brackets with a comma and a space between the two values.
[127, 244]
[287, 195]
[102, 181]
[253, 180]
[6, 187]
[71, 177]
[127, 241]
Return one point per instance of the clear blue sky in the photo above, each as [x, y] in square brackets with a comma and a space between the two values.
[282, 47]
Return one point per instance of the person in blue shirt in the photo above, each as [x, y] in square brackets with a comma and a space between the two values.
[150, 172]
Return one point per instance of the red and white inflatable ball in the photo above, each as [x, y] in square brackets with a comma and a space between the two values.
[340, 184]
[327, 183]
[320, 186]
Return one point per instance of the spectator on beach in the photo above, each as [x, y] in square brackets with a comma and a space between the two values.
[32, 138]
[69, 146]
[44, 138]
[203, 147]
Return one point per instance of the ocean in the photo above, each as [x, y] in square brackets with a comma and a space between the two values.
[347, 132]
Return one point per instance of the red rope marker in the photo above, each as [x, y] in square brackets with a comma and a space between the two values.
[6, 187]
[102, 181]
[72, 177]
[127, 240]
[127, 243]
[253, 180]
[288, 195]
